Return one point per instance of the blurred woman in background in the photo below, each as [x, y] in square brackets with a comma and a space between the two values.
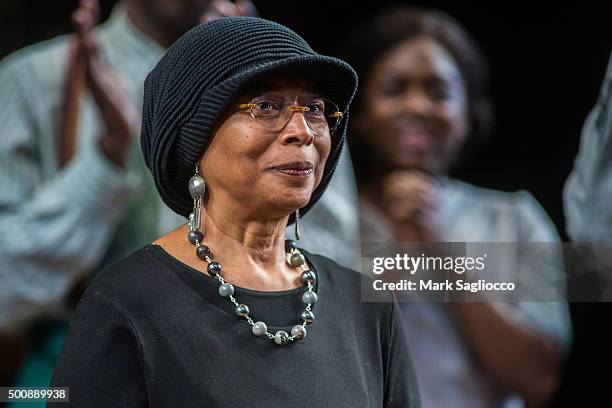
[421, 106]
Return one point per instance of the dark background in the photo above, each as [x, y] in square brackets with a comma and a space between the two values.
[547, 64]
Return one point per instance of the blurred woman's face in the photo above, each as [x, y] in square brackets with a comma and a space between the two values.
[266, 172]
[414, 113]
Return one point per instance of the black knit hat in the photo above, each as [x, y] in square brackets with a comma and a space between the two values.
[206, 69]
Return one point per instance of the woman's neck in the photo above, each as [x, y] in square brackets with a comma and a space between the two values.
[259, 243]
[251, 252]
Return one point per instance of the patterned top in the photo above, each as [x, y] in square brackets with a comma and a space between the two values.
[58, 224]
[441, 358]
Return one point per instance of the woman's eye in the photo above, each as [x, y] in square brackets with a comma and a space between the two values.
[266, 106]
[440, 92]
[393, 88]
[316, 107]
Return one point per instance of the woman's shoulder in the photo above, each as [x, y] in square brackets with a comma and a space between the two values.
[488, 197]
[135, 278]
[520, 206]
[520, 202]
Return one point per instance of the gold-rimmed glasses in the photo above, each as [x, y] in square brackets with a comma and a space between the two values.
[274, 112]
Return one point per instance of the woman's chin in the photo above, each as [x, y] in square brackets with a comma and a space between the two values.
[290, 203]
[286, 196]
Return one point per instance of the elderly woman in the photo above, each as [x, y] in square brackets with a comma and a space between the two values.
[243, 125]
[422, 105]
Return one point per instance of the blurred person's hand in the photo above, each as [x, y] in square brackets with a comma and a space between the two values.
[411, 199]
[222, 8]
[119, 113]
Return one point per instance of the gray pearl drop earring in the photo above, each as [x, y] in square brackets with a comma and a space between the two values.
[197, 188]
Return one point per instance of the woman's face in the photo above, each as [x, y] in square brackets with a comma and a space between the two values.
[266, 172]
[414, 113]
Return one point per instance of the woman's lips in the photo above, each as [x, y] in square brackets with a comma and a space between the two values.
[414, 141]
[412, 135]
[302, 173]
[300, 169]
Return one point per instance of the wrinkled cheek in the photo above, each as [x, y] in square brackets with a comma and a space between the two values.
[324, 150]
[318, 176]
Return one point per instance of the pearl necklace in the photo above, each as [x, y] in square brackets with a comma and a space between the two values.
[226, 290]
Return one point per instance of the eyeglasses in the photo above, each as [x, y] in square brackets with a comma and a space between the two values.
[275, 111]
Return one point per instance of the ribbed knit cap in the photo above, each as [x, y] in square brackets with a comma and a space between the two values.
[206, 69]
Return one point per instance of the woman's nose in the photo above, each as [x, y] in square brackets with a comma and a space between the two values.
[417, 103]
[297, 130]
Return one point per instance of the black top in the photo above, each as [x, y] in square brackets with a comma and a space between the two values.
[152, 331]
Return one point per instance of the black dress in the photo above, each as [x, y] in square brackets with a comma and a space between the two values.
[152, 331]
